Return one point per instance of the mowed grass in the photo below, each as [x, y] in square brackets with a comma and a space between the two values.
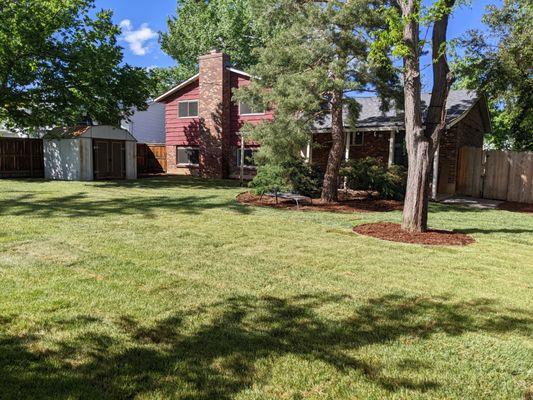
[169, 289]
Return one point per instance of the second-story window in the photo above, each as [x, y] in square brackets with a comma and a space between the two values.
[188, 109]
[246, 109]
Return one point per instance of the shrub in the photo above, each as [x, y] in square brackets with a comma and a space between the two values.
[304, 179]
[372, 175]
[269, 179]
[295, 176]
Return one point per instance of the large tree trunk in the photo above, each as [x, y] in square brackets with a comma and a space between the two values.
[330, 188]
[422, 143]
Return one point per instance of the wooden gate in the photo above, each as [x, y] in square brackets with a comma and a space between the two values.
[21, 158]
[495, 174]
[109, 159]
[151, 158]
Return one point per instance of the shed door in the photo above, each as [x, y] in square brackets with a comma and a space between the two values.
[109, 159]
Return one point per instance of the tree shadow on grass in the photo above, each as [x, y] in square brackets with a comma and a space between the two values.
[83, 205]
[170, 181]
[218, 359]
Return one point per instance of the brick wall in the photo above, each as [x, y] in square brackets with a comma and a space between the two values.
[468, 132]
[375, 144]
[173, 169]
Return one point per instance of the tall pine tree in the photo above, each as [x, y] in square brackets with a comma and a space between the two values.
[306, 73]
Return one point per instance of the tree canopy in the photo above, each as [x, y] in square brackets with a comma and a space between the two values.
[498, 63]
[60, 62]
[236, 27]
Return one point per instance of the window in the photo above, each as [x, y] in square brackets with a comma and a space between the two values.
[246, 109]
[356, 139]
[188, 109]
[248, 157]
[187, 156]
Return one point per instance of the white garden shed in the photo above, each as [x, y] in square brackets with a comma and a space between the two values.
[89, 153]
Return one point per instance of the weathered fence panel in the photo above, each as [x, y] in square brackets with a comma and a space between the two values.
[151, 158]
[21, 158]
[470, 171]
[495, 174]
[520, 187]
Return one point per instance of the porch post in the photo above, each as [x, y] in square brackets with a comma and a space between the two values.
[347, 156]
[435, 182]
[309, 153]
[392, 144]
[242, 160]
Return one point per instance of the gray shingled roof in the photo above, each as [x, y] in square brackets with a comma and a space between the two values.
[371, 116]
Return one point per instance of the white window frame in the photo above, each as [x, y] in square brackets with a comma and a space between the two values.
[353, 143]
[187, 164]
[189, 101]
[259, 113]
[238, 154]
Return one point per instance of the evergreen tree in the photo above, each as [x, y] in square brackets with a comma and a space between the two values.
[304, 74]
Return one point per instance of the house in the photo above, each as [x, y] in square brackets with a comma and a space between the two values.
[147, 126]
[89, 153]
[203, 126]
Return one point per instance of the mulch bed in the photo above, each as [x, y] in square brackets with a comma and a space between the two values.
[394, 233]
[348, 203]
[516, 207]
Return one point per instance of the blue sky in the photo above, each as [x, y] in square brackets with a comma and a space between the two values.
[142, 20]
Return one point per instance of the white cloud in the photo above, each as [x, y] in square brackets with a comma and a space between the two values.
[137, 39]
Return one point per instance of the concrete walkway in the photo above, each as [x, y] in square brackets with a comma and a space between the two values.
[482, 204]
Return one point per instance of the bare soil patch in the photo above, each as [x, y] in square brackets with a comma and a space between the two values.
[516, 207]
[394, 233]
[348, 203]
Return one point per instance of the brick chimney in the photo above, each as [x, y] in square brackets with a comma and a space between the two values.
[214, 112]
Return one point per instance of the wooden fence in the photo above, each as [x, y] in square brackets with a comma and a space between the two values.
[151, 158]
[21, 158]
[495, 174]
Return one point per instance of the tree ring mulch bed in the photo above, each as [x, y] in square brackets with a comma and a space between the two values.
[394, 233]
[348, 203]
[516, 207]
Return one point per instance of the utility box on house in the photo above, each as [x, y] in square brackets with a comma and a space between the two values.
[87, 153]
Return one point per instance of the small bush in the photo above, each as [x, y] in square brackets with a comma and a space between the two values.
[295, 176]
[269, 179]
[304, 179]
[372, 175]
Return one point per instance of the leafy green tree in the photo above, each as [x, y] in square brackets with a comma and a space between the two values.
[305, 73]
[58, 63]
[235, 27]
[423, 133]
[498, 63]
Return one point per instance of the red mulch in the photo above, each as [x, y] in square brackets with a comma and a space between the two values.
[517, 207]
[348, 203]
[394, 233]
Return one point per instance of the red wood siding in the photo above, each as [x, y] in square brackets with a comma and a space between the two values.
[182, 131]
[237, 121]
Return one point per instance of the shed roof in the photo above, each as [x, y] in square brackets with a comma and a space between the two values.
[371, 115]
[88, 131]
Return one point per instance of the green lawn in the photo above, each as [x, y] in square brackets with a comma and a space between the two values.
[169, 289]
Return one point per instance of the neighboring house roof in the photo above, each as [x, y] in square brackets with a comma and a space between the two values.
[88, 131]
[371, 115]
